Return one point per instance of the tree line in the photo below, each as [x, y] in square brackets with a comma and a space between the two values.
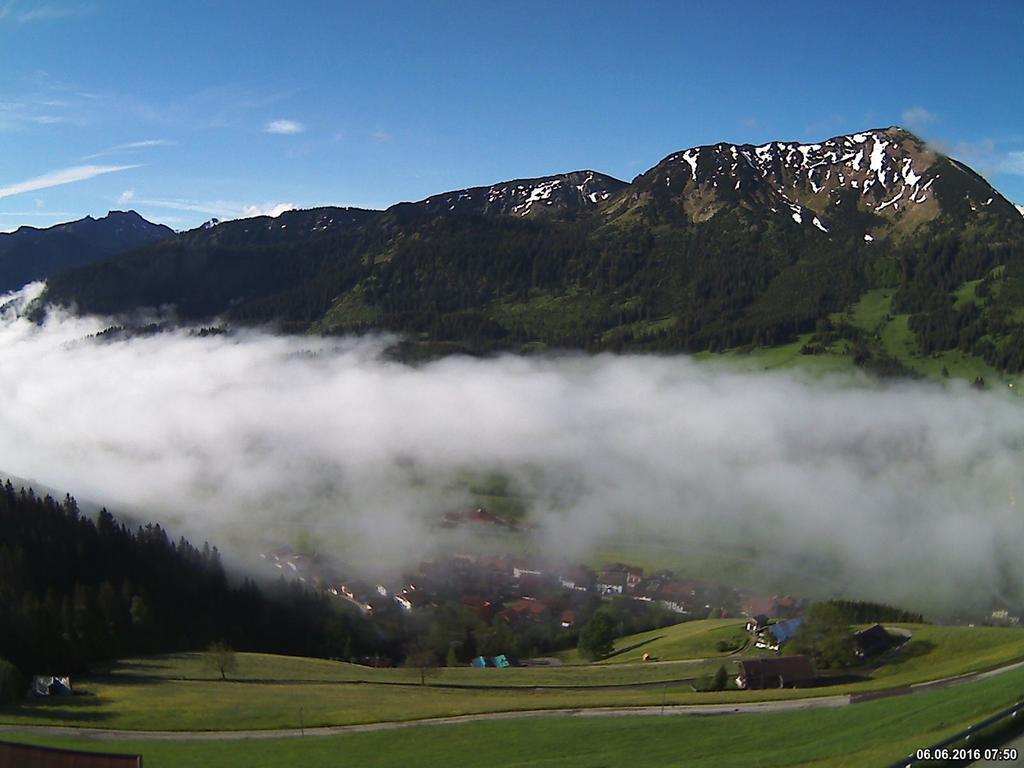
[75, 591]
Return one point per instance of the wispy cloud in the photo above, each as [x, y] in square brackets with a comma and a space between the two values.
[216, 208]
[44, 12]
[132, 146]
[63, 176]
[917, 117]
[382, 137]
[126, 197]
[35, 214]
[986, 156]
[222, 209]
[1012, 163]
[284, 127]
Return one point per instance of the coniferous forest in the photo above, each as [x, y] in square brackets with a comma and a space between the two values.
[74, 591]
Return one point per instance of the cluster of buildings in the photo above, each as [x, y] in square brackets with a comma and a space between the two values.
[519, 590]
[797, 670]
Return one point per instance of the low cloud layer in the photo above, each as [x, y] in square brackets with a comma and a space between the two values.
[906, 493]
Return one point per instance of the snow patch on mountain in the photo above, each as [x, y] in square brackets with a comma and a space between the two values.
[891, 170]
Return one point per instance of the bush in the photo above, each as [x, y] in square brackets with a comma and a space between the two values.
[720, 679]
[717, 682]
[12, 684]
[597, 638]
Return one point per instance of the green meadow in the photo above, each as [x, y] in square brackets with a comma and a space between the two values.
[869, 734]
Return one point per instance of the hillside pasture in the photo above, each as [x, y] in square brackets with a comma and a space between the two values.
[873, 733]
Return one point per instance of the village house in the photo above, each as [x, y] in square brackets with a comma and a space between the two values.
[756, 624]
[410, 598]
[872, 641]
[678, 596]
[576, 578]
[1002, 617]
[781, 672]
[526, 608]
[774, 607]
[774, 636]
[519, 570]
[611, 583]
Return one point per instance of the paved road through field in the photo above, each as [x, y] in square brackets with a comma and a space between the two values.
[752, 707]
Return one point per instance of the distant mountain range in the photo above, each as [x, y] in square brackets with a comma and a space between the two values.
[29, 254]
[870, 245]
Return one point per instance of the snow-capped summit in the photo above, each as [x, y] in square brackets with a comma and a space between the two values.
[565, 193]
[887, 172]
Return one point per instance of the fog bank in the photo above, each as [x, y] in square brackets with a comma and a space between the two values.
[908, 491]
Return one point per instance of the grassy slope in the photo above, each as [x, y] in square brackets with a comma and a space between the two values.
[690, 640]
[937, 651]
[932, 652]
[870, 734]
[176, 693]
[783, 357]
[894, 337]
[268, 668]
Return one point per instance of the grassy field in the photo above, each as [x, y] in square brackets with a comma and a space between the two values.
[869, 734]
[932, 652]
[937, 651]
[267, 668]
[783, 357]
[179, 693]
[690, 640]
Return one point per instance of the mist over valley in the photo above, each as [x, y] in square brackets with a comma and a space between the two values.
[830, 485]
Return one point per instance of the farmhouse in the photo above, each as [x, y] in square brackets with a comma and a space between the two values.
[757, 624]
[781, 672]
[774, 636]
[872, 641]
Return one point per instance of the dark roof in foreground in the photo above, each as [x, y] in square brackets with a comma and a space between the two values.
[789, 667]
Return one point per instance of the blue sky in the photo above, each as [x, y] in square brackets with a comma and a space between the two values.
[188, 110]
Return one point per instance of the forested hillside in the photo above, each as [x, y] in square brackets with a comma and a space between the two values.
[715, 247]
[74, 591]
[33, 254]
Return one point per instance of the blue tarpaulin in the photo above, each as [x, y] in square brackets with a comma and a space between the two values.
[784, 630]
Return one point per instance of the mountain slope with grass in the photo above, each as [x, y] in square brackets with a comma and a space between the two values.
[716, 247]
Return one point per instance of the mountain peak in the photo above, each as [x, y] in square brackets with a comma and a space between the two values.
[559, 194]
[888, 173]
[30, 254]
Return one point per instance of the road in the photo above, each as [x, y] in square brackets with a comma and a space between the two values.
[754, 707]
